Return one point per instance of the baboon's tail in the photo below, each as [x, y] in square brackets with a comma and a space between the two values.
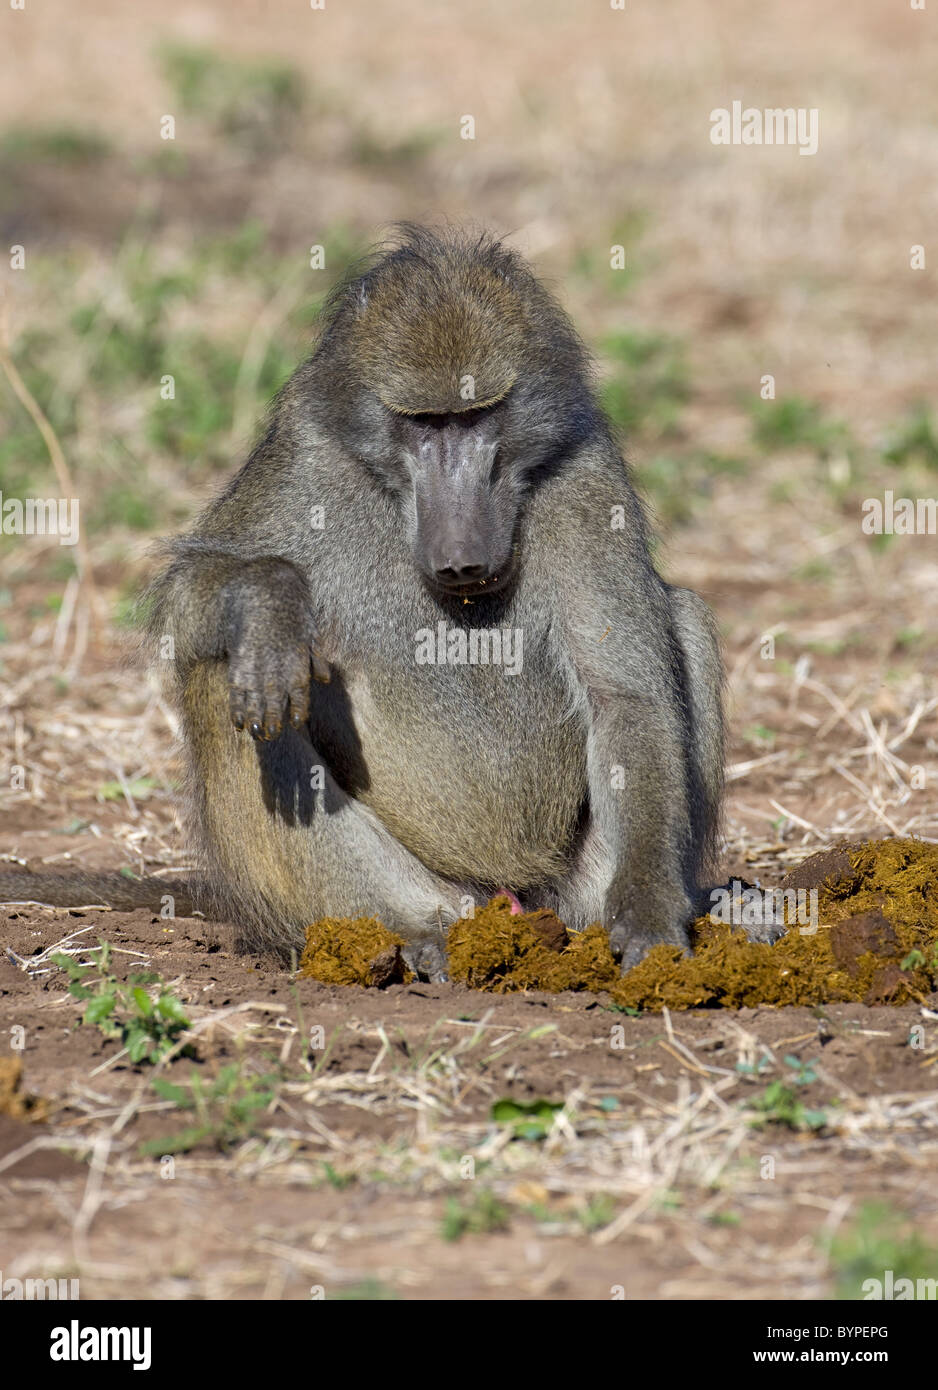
[114, 890]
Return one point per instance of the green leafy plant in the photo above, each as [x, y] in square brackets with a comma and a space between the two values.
[597, 1212]
[139, 788]
[371, 149]
[674, 483]
[594, 261]
[725, 1218]
[779, 1104]
[531, 1119]
[915, 441]
[754, 1068]
[804, 1072]
[791, 422]
[52, 144]
[647, 386]
[148, 1021]
[225, 1111]
[251, 102]
[336, 1179]
[482, 1214]
[367, 1291]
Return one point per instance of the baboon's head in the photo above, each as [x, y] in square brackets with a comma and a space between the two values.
[455, 378]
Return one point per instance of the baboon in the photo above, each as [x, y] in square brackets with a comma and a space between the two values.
[439, 469]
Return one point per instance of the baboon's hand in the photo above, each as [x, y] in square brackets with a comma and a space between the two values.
[764, 933]
[271, 647]
[634, 931]
[426, 957]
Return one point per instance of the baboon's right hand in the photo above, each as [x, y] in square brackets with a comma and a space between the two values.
[271, 648]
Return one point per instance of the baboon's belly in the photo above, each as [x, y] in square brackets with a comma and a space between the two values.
[482, 777]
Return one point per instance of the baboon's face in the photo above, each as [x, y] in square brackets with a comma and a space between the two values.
[450, 375]
[465, 497]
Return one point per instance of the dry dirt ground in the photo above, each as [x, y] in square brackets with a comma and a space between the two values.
[372, 1166]
[651, 1178]
[654, 1177]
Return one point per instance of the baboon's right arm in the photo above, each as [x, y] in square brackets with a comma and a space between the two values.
[254, 613]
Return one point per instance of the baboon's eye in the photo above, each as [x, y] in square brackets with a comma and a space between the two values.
[428, 420]
[472, 417]
[475, 416]
[466, 418]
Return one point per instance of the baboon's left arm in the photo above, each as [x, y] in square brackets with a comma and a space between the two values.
[626, 668]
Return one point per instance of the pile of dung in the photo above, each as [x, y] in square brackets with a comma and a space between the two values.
[501, 950]
[353, 951]
[876, 940]
[13, 1099]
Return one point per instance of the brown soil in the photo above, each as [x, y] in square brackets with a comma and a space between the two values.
[351, 1174]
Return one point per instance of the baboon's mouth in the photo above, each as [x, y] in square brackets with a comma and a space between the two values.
[477, 587]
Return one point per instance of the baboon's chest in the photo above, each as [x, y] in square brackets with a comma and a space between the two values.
[478, 768]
